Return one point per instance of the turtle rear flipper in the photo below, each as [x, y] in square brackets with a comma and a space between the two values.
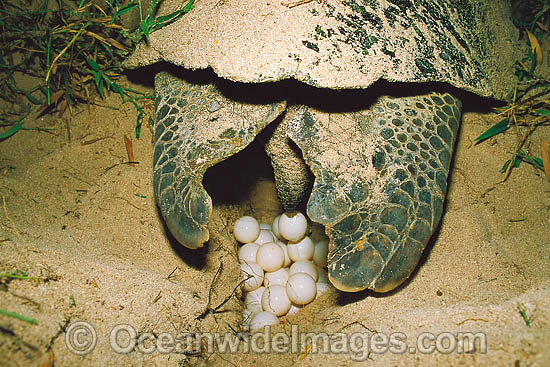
[197, 126]
[380, 183]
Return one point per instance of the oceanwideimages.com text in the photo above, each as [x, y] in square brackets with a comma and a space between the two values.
[81, 338]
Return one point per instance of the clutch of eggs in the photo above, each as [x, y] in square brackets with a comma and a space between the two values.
[283, 268]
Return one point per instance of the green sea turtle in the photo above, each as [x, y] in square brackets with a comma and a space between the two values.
[379, 152]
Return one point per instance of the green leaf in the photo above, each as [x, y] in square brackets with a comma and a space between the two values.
[116, 88]
[67, 87]
[541, 112]
[152, 8]
[12, 87]
[108, 81]
[94, 65]
[100, 87]
[189, 6]
[97, 77]
[517, 162]
[125, 9]
[22, 276]
[139, 120]
[537, 162]
[43, 90]
[505, 167]
[33, 99]
[166, 18]
[12, 130]
[163, 20]
[497, 128]
[144, 28]
[30, 320]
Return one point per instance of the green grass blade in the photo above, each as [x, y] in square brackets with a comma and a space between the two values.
[30, 320]
[139, 121]
[537, 162]
[12, 130]
[100, 88]
[124, 9]
[497, 128]
[22, 276]
[33, 99]
[189, 6]
[144, 28]
[67, 87]
[48, 61]
[94, 65]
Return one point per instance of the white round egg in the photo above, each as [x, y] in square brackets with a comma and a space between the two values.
[279, 277]
[302, 266]
[270, 256]
[293, 310]
[292, 226]
[265, 226]
[323, 276]
[320, 253]
[322, 288]
[275, 227]
[301, 250]
[253, 275]
[301, 288]
[285, 250]
[263, 319]
[246, 229]
[275, 300]
[248, 252]
[247, 317]
[253, 300]
[265, 236]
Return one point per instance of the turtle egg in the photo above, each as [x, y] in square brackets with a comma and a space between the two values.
[275, 227]
[293, 310]
[275, 300]
[247, 317]
[292, 226]
[246, 229]
[253, 300]
[323, 276]
[306, 267]
[263, 319]
[301, 250]
[253, 275]
[301, 288]
[285, 250]
[279, 277]
[270, 256]
[248, 252]
[265, 226]
[264, 237]
[322, 288]
[320, 253]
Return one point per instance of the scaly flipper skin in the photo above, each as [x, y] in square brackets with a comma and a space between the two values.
[290, 171]
[197, 126]
[380, 183]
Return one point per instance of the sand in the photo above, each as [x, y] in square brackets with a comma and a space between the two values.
[87, 226]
